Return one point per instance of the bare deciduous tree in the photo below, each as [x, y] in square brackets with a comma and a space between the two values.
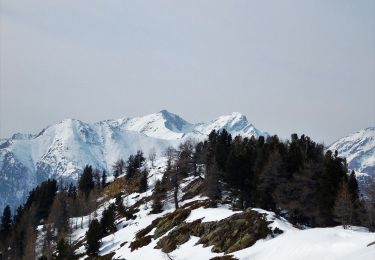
[152, 156]
[343, 208]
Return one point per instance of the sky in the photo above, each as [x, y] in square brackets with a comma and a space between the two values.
[289, 66]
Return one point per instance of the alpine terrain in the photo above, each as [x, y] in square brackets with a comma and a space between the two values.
[60, 151]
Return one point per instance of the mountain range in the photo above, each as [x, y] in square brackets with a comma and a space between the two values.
[61, 150]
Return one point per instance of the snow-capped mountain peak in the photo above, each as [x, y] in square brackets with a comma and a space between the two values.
[359, 150]
[235, 123]
[163, 125]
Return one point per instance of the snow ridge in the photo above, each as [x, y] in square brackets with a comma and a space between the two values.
[61, 150]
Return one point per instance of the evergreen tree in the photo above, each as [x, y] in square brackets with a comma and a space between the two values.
[134, 163]
[118, 168]
[64, 251]
[107, 222]
[86, 182]
[185, 160]
[353, 186]
[6, 223]
[120, 205]
[93, 236]
[143, 185]
[72, 191]
[131, 167]
[212, 182]
[104, 179]
[267, 182]
[175, 183]
[335, 170]
[221, 148]
[139, 159]
[157, 197]
[97, 179]
[40, 200]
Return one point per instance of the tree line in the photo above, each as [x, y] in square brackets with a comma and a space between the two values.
[296, 178]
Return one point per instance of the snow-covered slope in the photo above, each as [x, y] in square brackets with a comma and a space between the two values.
[359, 150]
[315, 243]
[293, 244]
[60, 151]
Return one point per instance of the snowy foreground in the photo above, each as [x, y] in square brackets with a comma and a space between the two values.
[315, 243]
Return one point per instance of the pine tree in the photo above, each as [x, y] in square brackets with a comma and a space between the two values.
[120, 205]
[118, 168]
[86, 182]
[107, 222]
[64, 251]
[93, 236]
[143, 185]
[72, 191]
[267, 182]
[176, 185]
[6, 223]
[97, 179]
[353, 186]
[212, 182]
[185, 160]
[335, 172]
[157, 197]
[104, 179]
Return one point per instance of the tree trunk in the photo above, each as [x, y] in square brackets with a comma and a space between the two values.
[175, 182]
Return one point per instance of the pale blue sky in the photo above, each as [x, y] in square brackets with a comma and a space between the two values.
[289, 66]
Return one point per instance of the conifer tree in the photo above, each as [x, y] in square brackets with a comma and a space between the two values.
[86, 182]
[335, 172]
[133, 164]
[176, 185]
[120, 205]
[157, 197]
[93, 236]
[6, 223]
[104, 179]
[118, 168]
[267, 182]
[72, 191]
[107, 222]
[64, 251]
[353, 186]
[212, 182]
[143, 184]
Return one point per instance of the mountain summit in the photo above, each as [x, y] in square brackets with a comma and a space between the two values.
[359, 150]
[61, 150]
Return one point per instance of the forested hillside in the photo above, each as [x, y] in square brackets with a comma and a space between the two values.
[225, 193]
